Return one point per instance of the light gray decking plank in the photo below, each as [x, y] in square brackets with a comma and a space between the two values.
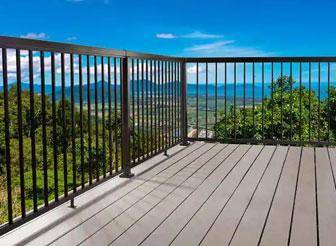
[326, 198]
[304, 218]
[278, 223]
[180, 217]
[252, 223]
[138, 232]
[148, 182]
[62, 219]
[332, 153]
[227, 221]
[119, 224]
[193, 233]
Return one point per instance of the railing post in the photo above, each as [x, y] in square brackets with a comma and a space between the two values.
[184, 121]
[125, 119]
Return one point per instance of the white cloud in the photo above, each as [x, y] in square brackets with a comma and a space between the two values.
[193, 69]
[71, 38]
[201, 35]
[194, 35]
[211, 46]
[75, 0]
[224, 49]
[166, 35]
[33, 35]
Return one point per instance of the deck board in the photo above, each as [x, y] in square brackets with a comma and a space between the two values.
[206, 193]
[228, 219]
[193, 233]
[116, 226]
[106, 216]
[278, 224]
[252, 223]
[326, 198]
[304, 228]
[170, 227]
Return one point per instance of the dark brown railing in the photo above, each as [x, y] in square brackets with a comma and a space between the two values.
[271, 100]
[75, 116]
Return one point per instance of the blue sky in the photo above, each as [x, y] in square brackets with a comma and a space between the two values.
[193, 28]
[180, 27]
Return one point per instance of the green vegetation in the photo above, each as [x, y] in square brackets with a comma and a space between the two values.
[286, 116]
[63, 147]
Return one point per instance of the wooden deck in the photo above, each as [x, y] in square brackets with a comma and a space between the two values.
[203, 194]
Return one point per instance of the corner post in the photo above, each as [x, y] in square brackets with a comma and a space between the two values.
[184, 120]
[125, 119]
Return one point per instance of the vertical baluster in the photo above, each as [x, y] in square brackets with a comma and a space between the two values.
[319, 102]
[73, 121]
[234, 100]
[32, 124]
[110, 113]
[44, 130]
[138, 109]
[21, 158]
[65, 160]
[300, 101]
[81, 125]
[155, 109]
[96, 116]
[253, 99]
[143, 108]
[244, 100]
[147, 116]
[103, 114]
[272, 98]
[262, 100]
[159, 104]
[225, 100]
[7, 136]
[309, 100]
[206, 99]
[175, 103]
[179, 100]
[328, 138]
[116, 115]
[281, 93]
[133, 113]
[55, 151]
[89, 117]
[291, 102]
[216, 92]
[197, 95]
[166, 109]
[151, 107]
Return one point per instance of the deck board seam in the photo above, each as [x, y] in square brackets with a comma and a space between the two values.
[316, 201]
[332, 168]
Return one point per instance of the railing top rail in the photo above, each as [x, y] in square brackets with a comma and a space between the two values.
[260, 59]
[47, 46]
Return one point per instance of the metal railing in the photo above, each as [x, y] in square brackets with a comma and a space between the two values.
[75, 116]
[271, 100]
